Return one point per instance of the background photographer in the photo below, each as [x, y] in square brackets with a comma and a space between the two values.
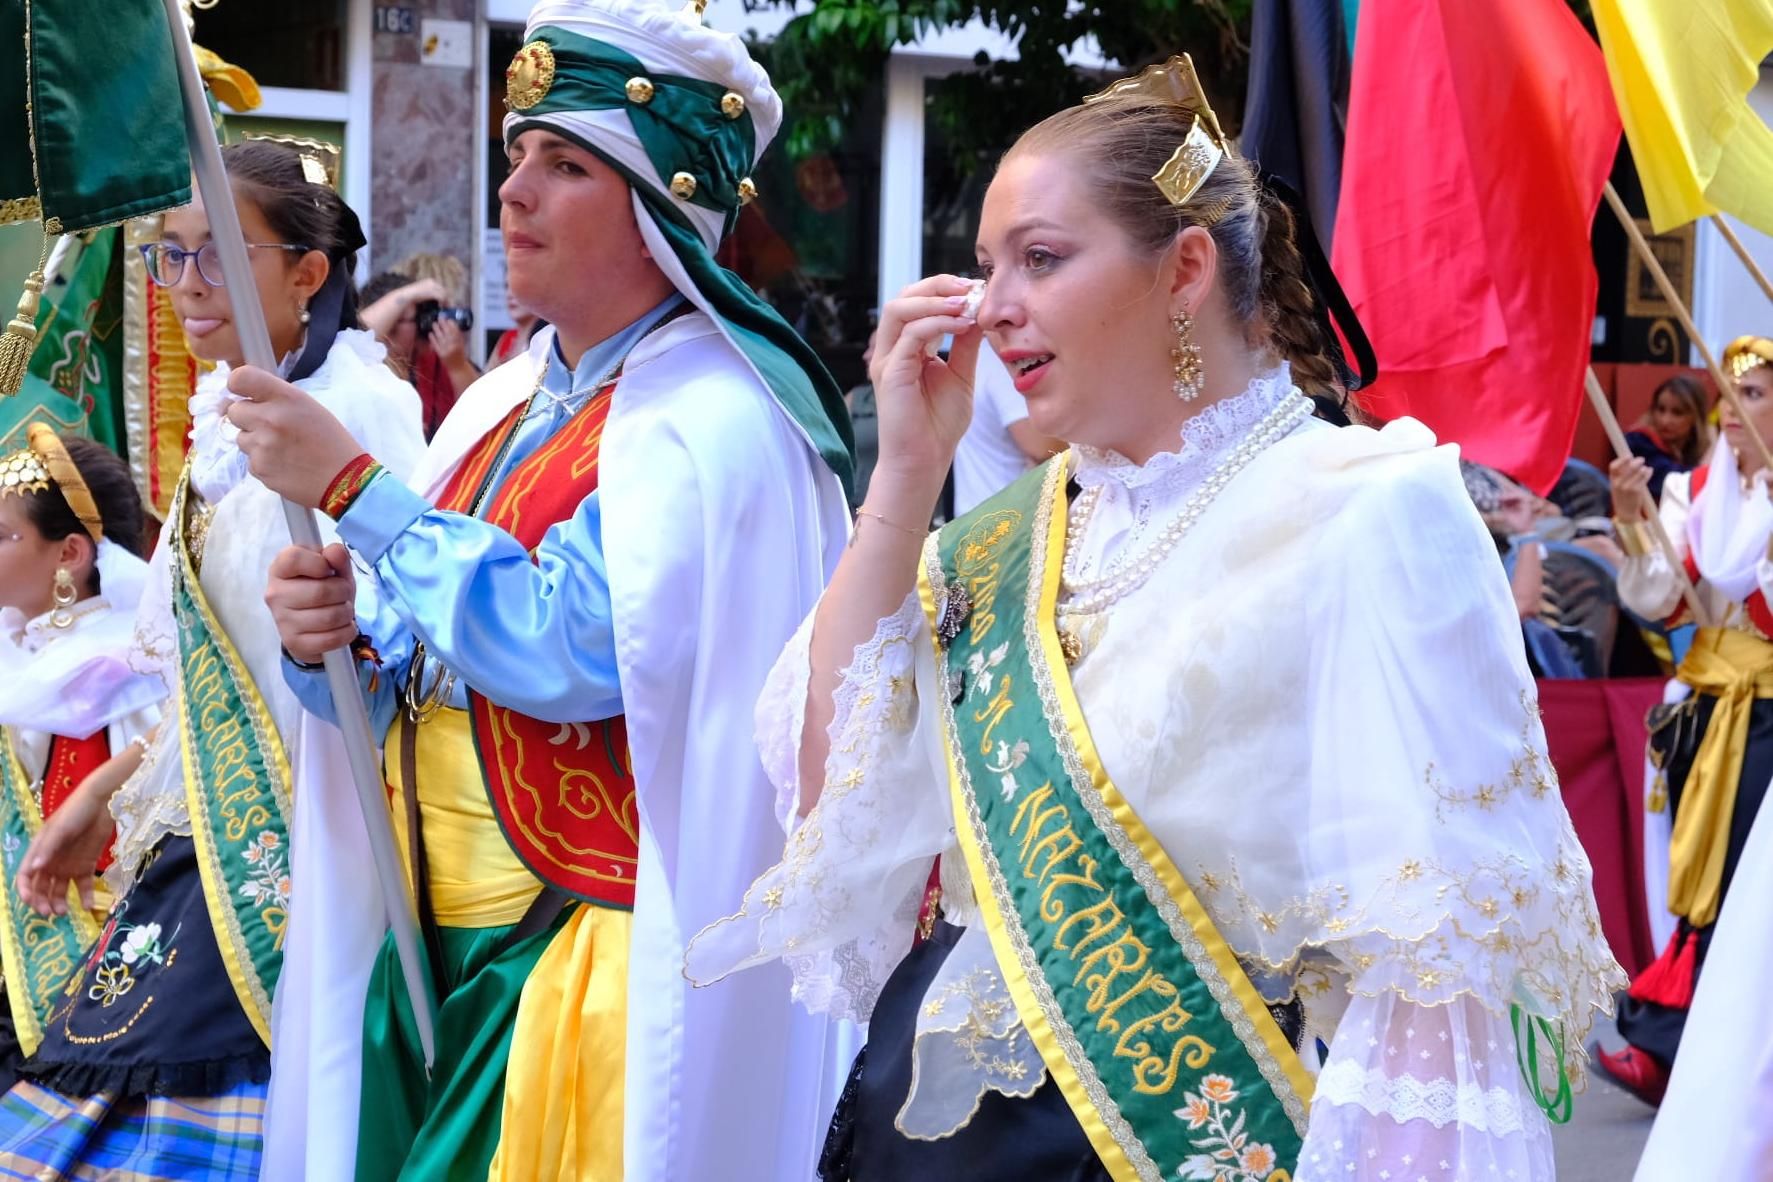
[420, 312]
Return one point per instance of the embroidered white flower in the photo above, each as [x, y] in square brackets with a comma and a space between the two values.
[142, 943]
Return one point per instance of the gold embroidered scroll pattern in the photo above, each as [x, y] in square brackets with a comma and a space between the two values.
[1113, 963]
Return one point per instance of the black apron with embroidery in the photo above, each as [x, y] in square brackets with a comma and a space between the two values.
[151, 1011]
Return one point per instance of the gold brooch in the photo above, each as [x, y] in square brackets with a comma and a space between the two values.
[639, 90]
[684, 185]
[732, 104]
[529, 76]
[747, 190]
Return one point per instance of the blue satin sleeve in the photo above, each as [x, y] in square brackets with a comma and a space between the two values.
[393, 643]
[533, 636]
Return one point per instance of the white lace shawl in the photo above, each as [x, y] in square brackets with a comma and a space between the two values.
[246, 531]
[1320, 706]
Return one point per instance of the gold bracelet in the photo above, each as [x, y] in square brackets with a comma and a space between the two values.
[904, 529]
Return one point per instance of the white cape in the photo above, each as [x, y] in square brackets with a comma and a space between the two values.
[720, 528]
[1714, 1123]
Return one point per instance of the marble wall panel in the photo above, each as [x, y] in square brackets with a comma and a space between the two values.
[425, 134]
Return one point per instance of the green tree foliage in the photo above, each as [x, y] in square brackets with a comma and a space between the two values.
[827, 58]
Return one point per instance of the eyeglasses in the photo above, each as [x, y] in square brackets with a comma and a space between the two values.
[166, 262]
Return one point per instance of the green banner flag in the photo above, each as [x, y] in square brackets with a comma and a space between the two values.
[93, 128]
[80, 338]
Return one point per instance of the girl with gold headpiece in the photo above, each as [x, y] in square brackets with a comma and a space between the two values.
[1217, 729]
[1715, 748]
[157, 1058]
[70, 705]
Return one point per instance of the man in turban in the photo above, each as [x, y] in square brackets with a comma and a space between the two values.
[568, 618]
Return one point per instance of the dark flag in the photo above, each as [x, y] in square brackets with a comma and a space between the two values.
[1296, 109]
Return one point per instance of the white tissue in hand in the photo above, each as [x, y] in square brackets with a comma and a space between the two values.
[975, 297]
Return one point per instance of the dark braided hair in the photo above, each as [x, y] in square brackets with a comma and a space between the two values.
[299, 211]
[1127, 139]
[113, 492]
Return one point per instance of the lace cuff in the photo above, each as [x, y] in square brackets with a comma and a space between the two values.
[884, 660]
[1414, 1091]
[841, 906]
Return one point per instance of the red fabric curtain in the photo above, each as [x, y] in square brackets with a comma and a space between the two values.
[1595, 733]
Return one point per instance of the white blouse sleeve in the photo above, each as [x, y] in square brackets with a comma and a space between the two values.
[841, 907]
[1413, 1092]
[1647, 584]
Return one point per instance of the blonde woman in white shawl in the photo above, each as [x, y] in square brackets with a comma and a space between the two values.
[74, 717]
[1218, 727]
[161, 1054]
[1714, 749]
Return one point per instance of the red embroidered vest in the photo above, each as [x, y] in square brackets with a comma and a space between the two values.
[71, 761]
[563, 793]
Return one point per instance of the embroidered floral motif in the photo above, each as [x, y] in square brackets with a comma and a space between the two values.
[979, 667]
[111, 983]
[269, 885]
[143, 943]
[1228, 1155]
[1006, 761]
[115, 970]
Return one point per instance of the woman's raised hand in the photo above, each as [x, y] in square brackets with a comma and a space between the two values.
[924, 403]
[1630, 478]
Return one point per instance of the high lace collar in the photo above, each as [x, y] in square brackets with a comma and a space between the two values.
[1205, 439]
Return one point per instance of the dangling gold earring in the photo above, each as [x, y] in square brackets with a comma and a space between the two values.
[1186, 358]
[64, 596]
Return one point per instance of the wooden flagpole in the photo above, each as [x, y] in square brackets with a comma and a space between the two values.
[1726, 387]
[1597, 398]
[1742, 253]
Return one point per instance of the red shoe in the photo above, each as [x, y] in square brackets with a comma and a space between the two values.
[1636, 1072]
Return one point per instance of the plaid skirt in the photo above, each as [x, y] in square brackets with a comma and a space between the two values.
[48, 1137]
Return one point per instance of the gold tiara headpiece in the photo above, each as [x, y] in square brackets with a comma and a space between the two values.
[46, 462]
[1745, 353]
[1201, 150]
[320, 160]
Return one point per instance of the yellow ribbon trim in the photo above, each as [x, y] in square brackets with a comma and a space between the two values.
[1736, 668]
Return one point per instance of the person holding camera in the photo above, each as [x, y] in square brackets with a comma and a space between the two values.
[422, 324]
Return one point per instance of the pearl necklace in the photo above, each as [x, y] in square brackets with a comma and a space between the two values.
[1088, 597]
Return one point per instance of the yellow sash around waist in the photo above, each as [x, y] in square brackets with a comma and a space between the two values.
[1736, 668]
[476, 881]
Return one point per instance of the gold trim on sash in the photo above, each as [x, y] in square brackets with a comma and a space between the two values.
[1187, 921]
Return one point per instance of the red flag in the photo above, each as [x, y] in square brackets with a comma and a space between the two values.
[1480, 135]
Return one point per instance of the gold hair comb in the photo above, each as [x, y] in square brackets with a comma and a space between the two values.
[320, 160]
[1201, 150]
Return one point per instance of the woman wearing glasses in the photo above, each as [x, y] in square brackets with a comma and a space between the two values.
[159, 1054]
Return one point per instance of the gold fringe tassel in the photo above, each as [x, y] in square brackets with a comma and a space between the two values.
[20, 338]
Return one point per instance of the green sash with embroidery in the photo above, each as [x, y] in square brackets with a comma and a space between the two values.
[1153, 1031]
[237, 787]
[39, 952]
